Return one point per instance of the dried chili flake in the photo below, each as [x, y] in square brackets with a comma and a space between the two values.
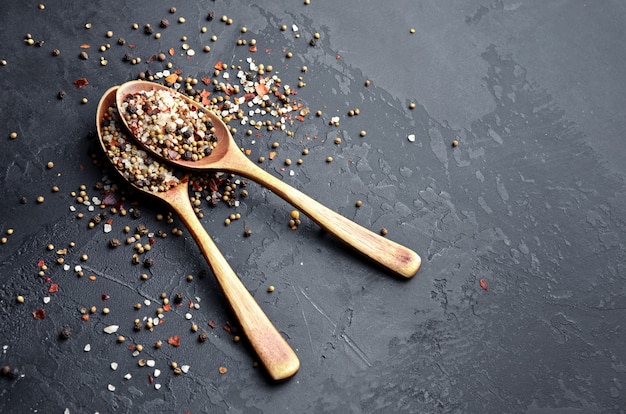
[105, 296]
[150, 379]
[205, 97]
[206, 80]
[47, 279]
[212, 324]
[85, 46]
[171, 51]
[171, 78]
[79, 83]
[39, 313]
[219, 65]
[53, 288]
[252, 49]
[483, 284]
[41, 263]
[261, 89]
[174, 340]
[167, 307]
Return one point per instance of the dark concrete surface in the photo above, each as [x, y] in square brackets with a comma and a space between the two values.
[531, 201]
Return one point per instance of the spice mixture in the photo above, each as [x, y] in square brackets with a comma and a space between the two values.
[168, 125]
[133, 163]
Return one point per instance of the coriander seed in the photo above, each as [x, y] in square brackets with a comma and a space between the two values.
[270, 288]
[13, 135]
[358, 203]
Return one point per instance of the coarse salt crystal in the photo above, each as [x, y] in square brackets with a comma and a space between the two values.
[128, 376]
[78, 268]
[411, 137]
[157, 372]
[72, 208]
[111, 387]
[113, 366]
[147, 302]
[188, 316]
[157, 386]
[87, 348]
[46, 299]
[185, 368]
[111, 329]
[294, 28]
[150, 363]
[107, 228]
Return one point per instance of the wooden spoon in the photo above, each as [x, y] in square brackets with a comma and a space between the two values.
[227, 156]
[276, 355]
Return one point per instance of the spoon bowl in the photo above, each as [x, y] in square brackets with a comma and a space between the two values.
[275, 354]
[227, 156]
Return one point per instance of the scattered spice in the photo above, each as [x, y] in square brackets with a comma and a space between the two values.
[39, 313]
[174, 340]
[483, 284]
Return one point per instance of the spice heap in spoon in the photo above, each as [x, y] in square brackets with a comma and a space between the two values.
[172, 127]
[134, 164]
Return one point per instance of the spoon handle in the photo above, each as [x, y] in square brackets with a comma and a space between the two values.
[391, 255]
[276, 355]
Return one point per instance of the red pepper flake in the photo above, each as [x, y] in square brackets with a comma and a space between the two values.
[85, 317]
[39, 313]
[41, 263]
[219, 65]
[261, 89]
[171, 78]
[131, 46]
[253, 49]
[205, 97]
[79, 83]
[109, 221]
[300, 118]
[167, 307]
[131, 347]
[212, 324]
[206, 80]
[174, 340]
[47, 279]
[150, 379]
[171, 51]
[151, 240]
[267, 50]
[105, 296]
[227, 327]
[53, 288]
[85, 46]
[152, 58]
[338, 57]
[483, 284]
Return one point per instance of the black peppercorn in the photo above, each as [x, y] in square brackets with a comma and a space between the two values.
[23, 200]
[65, 333]
[178, 298]
[164, 23]
[147, 29]
[210, 16]
[149, 262]
[312, 42]
[114, 243]
[203, 336]
[136, 213]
